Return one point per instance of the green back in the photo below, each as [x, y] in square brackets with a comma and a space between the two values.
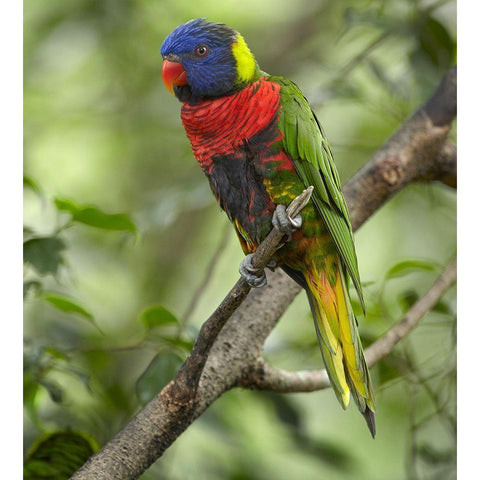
[305, 142]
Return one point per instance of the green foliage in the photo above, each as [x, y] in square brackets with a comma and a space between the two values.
[56, 456]
[158, 316]
[39, 364]
[103, 135]
[30, 183]
[410, 266]
[44, 254]
[94, 217]
[66, 305]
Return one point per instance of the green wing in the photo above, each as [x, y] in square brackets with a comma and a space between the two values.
[305, 142]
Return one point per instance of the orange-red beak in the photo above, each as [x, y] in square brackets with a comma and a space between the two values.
[173, 74]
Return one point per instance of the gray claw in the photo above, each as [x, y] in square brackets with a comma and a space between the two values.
[272, 265]
[296, 221]
[255, 277]
[287, 225]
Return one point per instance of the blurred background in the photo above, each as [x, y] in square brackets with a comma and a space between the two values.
[121, 230]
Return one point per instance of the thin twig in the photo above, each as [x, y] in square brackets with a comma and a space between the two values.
[382, 347]
[207, 275]
[264, 376]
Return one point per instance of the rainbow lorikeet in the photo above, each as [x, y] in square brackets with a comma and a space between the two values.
[260, 145]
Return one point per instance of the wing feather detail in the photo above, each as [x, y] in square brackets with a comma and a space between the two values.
[305, 142]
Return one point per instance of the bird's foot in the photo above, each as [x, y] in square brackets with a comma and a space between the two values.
[255, 277]
[284, 223]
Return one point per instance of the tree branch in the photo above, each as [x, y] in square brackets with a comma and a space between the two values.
[174, 408]
[418, 151]
[264, 376]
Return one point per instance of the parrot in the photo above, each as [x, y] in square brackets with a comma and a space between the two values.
[260, 145]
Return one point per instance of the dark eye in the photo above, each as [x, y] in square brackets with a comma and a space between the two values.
[201, 50]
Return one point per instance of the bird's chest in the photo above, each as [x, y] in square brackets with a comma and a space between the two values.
[236, 141]
[224, 126]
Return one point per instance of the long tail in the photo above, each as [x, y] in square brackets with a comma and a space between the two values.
[338, 337]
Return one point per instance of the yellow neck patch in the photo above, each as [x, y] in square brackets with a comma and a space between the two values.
[246, 64]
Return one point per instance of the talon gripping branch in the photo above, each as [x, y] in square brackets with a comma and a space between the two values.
[259, 144]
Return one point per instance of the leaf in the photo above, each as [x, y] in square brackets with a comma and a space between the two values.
[436, 42]
[408, 266]
[158, 316]
[443, 307]
[44, 254]
[28, 182]
[92, 216]
[67, 305]
[408, 298]
[159, 372]
[175, 341]
[58, 455]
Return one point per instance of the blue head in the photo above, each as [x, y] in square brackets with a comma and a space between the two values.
[204, 59]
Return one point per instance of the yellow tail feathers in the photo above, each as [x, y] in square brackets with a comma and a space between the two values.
[338, 337]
